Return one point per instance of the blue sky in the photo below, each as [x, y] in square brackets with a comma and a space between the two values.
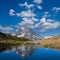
[43, 16]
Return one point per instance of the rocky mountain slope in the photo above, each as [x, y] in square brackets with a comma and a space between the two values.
[27, 33]
[9, 37]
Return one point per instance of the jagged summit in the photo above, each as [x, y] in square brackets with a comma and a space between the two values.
[28, 33]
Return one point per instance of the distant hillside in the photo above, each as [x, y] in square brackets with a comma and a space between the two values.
[9, 37]
[53, 42]
[3, 36]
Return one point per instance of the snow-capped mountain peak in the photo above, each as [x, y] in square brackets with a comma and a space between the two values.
[28, 33]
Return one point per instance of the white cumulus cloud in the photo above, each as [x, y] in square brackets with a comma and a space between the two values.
[46, 14]
[37, 1]
[28, 22]
[12, 12]
[56, 9]
[6, 29]
[33, 19]
[39, 7]
[44, 24]
[27, 5]
[27, 13]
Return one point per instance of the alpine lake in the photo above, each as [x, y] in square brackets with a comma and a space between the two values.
[29, 52]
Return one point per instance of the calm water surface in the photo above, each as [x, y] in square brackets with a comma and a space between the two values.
[32, 52]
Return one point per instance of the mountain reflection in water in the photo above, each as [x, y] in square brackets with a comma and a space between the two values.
[25, 50]
[30, 52]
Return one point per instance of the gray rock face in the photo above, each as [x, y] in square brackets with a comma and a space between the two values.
[27, 33]
[25, 51]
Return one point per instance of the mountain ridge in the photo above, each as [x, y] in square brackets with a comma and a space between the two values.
[28, 33]
[4, 36]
